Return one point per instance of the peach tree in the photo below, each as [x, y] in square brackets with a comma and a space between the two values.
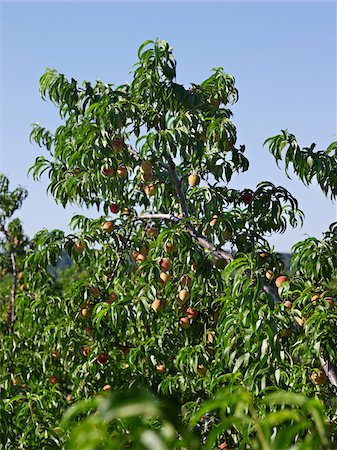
[175, 285]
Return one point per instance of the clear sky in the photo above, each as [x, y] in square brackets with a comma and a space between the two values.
[282, 54]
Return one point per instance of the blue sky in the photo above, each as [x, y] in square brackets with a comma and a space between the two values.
[282, 54]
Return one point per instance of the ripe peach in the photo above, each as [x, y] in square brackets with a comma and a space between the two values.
[184, 295]
[201, 369]
[85, 312]
[140, 257]
[114, 208]
[79, 246]
[160, 368]
[150, 189]
[107, 171]
[53, 379]
[192, 313]
[147, 177]
[288, 304]
[157, 305]
[108, 226]
[247, 198]
[165, 277]
[165, 264]
[107, 388]
[269, 275]
[315, 297]
[318, 378]
[170, 247]
[193, 180]
[280, 280]
[112, 298]
[185, 323]
[214, 220]
[102, 358]
[122, 172]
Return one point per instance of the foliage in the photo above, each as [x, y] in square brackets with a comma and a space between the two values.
[152, 298]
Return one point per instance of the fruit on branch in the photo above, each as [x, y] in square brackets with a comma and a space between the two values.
[94, 291]
[186, 280]
[157, 305]
[184, 295]
[108, 226]
[185, 323]
[53, 379]
[165, 264]
[107, 388]
[140, 257]
[112, 298]
[146, 166]
[85, 312]
[79, 246]
[201, 369]
[17, 380]
[134, 255]
[102, 358]
[247, 197]
[147, 177]
[288, 304]
[114, 208]
[269, 275]
[117, 145]
[192, 313]
[54, 354]
[160, 368]
[193, 180]
[126, 212]
[280, 280]
[170, 247]
[318, 378]
[107, 171]
[214, 220]
[224, 446]
[150, 189]
[165, 277]
[152, 232]
[315, 297]
[88, 330]
[122, 172]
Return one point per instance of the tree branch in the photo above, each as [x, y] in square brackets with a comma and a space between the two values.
[178, 187]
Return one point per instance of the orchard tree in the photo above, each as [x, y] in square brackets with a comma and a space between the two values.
[12, 248]
[177, 287]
